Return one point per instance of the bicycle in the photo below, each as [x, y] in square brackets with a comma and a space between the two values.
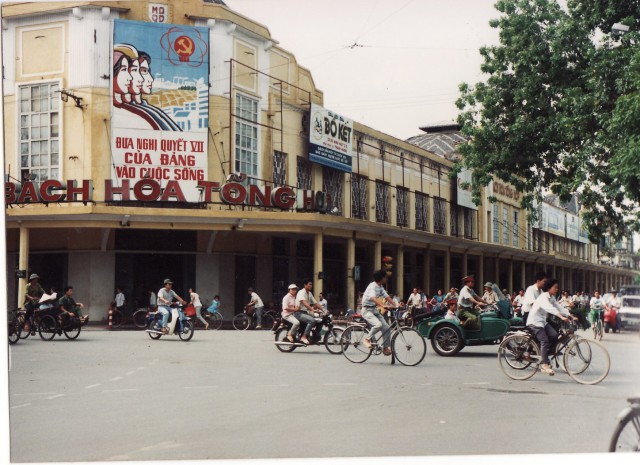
[407, 344]
[248, 318]
[585, 361]
[138, 318]
[215, 319]
[598, 325]
[626, 436]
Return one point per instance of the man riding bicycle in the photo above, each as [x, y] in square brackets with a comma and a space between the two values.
[370, 313]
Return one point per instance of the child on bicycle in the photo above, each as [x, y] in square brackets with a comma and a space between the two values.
[597, 306]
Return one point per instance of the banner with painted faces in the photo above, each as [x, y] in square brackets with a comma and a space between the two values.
[160, 105]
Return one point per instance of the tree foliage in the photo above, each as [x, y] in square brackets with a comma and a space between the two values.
[560, 109]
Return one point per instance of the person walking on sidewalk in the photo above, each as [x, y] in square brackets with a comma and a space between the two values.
[197, 304]
[258, 306]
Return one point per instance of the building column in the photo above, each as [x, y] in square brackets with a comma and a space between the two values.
[377, 255]
[496, 271]
[480, 276]
[427, 270]
[510, 281]
[317, 263]
[351, 263]
[447, 269]
[584, 281]
[23, 264]
[465, 268]
[400, 272]
[523, 274]
[570, 280]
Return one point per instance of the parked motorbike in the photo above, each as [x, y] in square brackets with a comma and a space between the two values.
[179, 324]
[323, 332]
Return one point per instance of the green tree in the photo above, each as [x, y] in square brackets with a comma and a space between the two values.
[560, 109]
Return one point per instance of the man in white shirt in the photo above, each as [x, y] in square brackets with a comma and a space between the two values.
[489, 296]
[120, 299]
[613, 303]
[531, 294]
[544, 305]
[370, 313]
[415, 299]
[258, 305]
[518, 301]
[306, 302]
[470, 318]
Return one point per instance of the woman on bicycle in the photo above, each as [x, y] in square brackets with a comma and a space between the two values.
[544, 305]
[596, 304]
[370, 313]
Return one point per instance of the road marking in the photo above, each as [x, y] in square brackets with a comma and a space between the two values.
[471, 384]
[33, 393]
[338, 384]
[273, 385]
[92, 386]
[129, 373]
[55, 397]
[121, 390]
[21, 405]
[200, 387]
[116, 378]
[140, 368]
[426, 384]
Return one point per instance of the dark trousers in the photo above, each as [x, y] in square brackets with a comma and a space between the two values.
[548, 337]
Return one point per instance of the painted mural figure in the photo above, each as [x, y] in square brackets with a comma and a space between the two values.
[132, 78]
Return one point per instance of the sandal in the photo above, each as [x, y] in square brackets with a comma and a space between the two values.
[290, 338]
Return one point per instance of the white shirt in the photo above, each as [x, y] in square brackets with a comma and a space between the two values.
[373, 290]
[323, 304]
[256, 300]
[119, 299]
[614, 302]
[518, 301]
[596, 303]
[464, 299]
[153, 299]
[415, 300]
[304, 295]
[530, 296]
[545, 304]
[195, 298]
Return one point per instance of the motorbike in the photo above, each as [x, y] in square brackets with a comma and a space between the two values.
[323, 332]
[611, 320]
[179, 324]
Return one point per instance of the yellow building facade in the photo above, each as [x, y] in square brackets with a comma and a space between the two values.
[257, 211]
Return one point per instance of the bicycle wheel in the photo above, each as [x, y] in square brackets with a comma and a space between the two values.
[241, 322]
[332, 340]
[14, 332]
[72, 332]
[22, 327]
[587, 362]
[353, 347]
[116, 318]
[215, 321]
[281, 336]
[187, 330]
[47, 328]
[408, 346]
[626, 436]
[267, 321]
[154, 326]
[140, 318]
[518, 356]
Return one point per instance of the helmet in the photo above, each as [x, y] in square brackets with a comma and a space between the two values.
[34, 276]
[168, 281]
[292, 286]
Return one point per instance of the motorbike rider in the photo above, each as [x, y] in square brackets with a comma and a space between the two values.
[470, 318]
[370, 313]
[613, 303]
[306, 301]
[289, 310]
[166, 295]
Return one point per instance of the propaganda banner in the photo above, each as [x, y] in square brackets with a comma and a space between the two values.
[330, 139]
[160, 104]
[465, 196]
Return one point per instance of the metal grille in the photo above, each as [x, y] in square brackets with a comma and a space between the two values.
[422, 212]
[279, 168]
[439, 216]
[469, 223]
[454, 224]
[332, 187]
[516, 240]
[358, 197]
[402, 207]
[496, 224]
[505, 225]
[382, 202]
[304, 174]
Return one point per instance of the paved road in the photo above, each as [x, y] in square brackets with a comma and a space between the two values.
[226, 394]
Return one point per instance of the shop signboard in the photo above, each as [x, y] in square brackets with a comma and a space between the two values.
[464, 193]
[330, 139]
[160, 105]
[573, 227]
[555, 220]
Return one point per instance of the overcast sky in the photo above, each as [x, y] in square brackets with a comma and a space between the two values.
[414, 53]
